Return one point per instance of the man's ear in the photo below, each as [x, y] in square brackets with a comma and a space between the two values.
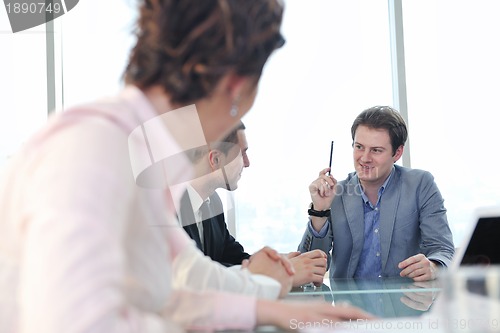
[398, 153]
[214, 158]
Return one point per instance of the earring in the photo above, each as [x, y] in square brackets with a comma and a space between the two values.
[234, 108]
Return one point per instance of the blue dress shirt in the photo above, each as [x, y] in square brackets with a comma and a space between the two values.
[370, 262]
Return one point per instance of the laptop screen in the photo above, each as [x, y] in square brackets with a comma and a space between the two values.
[481, 242]
[484, 244]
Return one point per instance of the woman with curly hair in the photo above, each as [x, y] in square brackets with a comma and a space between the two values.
[89, 240]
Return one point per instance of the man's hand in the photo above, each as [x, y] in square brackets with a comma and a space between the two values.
[418, 267]
[270, 263]
[309, 267]
[322, 191]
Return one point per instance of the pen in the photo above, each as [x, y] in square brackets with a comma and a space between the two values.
[330, 164]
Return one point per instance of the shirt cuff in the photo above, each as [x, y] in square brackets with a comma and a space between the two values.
[322, 232]
[269, 288]
[438, 262]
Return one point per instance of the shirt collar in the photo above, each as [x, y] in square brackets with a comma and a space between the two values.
[194, 198]
[380, 190]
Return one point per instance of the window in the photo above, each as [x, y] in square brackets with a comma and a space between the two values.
[23, 85]
[336, 62]
[94, 51]
[452, 72]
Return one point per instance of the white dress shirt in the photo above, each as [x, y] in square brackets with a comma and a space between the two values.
[84, 248]
[196, 203]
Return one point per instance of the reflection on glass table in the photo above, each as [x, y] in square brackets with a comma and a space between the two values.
[398, 298]
[383, 297]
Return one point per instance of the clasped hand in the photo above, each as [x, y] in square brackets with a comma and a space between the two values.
[309, 267]
[293, 269]
[269, 262]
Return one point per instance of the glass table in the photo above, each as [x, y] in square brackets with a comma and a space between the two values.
[383, 297]
[465, 300]
[387, 298]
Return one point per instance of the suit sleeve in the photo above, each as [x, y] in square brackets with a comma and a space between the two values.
[312, 240]
[437, 240]
[233, 252]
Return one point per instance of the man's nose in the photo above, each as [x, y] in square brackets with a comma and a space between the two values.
[366, 157]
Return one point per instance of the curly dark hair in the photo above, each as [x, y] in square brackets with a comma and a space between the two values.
[383, 117]
[187, 46]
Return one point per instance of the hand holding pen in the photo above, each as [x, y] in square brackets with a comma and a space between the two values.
[322, 189]
[322, 192]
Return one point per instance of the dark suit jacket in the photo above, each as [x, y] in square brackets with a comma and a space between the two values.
[218, 242]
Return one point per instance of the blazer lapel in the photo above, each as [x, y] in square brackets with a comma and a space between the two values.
[355, 218]
[187, 219]
[388, 207]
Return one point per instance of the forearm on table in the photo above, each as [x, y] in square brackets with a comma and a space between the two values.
[193, 270]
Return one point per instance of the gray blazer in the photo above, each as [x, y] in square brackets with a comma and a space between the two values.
[412, 220]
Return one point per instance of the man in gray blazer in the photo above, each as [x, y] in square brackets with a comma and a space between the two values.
[384, 219]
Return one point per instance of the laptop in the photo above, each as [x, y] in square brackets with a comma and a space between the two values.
[481, 244]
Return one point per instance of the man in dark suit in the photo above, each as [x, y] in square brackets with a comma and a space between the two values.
[220, 165]
[215, 240]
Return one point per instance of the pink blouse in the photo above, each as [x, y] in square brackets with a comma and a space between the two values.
[85, 247]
